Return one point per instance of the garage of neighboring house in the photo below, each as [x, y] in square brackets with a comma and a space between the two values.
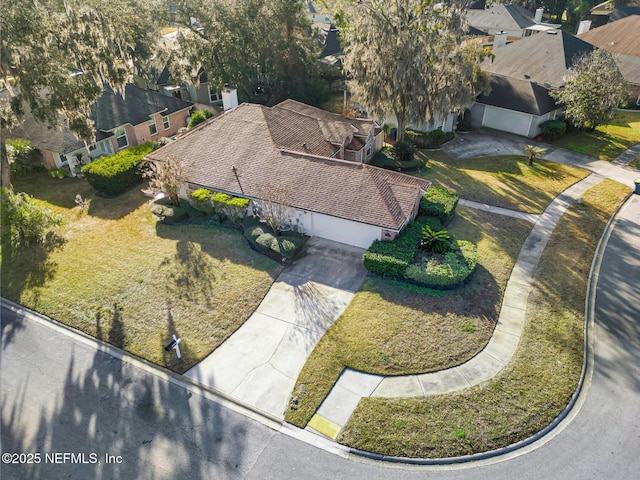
[515, 106]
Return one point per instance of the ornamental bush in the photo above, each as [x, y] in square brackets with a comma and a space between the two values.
[436, 241]
[260, 235]
[439, 202]
[447, 271]
[391, 258]
[112, 175]
[24, 219]
[385, 159]
[434, 139]
[199, 116]
[553, 129]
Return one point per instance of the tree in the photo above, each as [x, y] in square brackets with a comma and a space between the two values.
[594, 91]
[24, 219]
[533, 151]
[409, 58]
[166, 176]
[273, 207]
[56, 55]
[199, 116]
[250, 44]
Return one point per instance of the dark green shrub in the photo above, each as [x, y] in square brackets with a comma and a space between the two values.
[392, 258]
[199, 116]
[403, 151]
[553, 129]
[164, 209]
[114, 174]
[433, 222]
[446, 271]
[439, 202]
[261, 236]
[433, 139]
[436, 241]
[385, 159]
[464, 121]
[24, 219]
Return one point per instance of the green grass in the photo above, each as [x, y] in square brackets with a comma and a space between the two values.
[607, 141]
[393, 328]
[502, 181]
[123, 278]
[635, 163]
[534, 388]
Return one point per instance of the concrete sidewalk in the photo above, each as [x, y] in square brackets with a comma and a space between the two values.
[352, 386]
[260, 362]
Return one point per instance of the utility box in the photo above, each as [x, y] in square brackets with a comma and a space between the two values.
[637, 182]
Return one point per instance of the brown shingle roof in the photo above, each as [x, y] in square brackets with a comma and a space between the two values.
[242, 138]
[622, 37]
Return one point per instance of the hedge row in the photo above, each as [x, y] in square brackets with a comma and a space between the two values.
[450, 271]
[226, 206]
[112, 175]
[433, 139]
[385, 159]
[440, 203]
[264, 240]
[391, 258]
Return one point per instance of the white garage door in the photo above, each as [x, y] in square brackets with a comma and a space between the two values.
[507, 121]
[343, 231]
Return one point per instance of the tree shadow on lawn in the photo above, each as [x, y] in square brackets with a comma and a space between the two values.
[29, 268]
[115, 208]
[158, 429]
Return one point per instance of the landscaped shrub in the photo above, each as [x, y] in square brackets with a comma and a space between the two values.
[439, 202]
[24, 219]
[432, 222]
[114, 174]
[392, 258]
[403, 151]
[436, 241]
[226, 206]
[433, 139]
[446, 271]
[464, 121]
[553, 129]
[164, 209]
[261, 235]
[199, 116]
[385, 159]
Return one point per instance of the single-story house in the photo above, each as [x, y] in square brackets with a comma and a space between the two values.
[607, 12]
[141, 115]
[514, 105]
[522, 74]
[306, 155]
[512, 20]
[622, 39]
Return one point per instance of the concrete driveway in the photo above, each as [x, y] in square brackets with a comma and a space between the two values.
[260, 362]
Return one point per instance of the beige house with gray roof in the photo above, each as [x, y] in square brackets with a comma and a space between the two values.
[318, 158]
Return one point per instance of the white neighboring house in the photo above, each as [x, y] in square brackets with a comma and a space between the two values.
[313, 158]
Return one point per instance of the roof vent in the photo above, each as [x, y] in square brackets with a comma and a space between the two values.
[552, 32]
[527, 76]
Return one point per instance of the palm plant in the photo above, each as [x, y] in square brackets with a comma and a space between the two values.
[533, 151]
[435, 241]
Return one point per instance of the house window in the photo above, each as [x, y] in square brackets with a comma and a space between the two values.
[153, 128]
[165, 122]
[213, 95]
[121, 137]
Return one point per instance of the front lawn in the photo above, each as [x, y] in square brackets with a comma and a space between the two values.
[502, 181]
[528, 394]
[123, 278]
[393, 328]
[607, 141]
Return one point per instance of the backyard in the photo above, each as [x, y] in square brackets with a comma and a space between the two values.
[116, 274]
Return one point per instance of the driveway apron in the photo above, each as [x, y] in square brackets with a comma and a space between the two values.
[260, 362]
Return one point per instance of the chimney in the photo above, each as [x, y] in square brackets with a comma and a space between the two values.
[585, 26]
[538, 17]
[229, 98]
[499, 40]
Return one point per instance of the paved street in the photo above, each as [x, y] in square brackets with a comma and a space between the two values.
[60, 394]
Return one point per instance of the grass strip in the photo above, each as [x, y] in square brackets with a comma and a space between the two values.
[530, 392]
[392, 328]
[502, 181]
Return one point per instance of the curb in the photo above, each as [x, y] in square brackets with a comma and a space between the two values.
[179, 380]
[579, 395]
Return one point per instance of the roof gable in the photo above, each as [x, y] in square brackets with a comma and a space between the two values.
[501, 17]
[518, 95]
[544, 58]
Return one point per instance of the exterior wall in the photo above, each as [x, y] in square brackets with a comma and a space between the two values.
[139, 134]
[340, 230]
[446, 124]
[510, 121]
[535, 124]
[477, 114]
[49, 160]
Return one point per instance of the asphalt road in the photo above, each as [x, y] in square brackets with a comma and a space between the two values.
[60, 395]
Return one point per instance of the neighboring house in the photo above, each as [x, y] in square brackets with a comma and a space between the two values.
[622, 40]
[298, 150]
[523, 73]
[141, 115]
[607, 12]
[513, 20]
[514, 105]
